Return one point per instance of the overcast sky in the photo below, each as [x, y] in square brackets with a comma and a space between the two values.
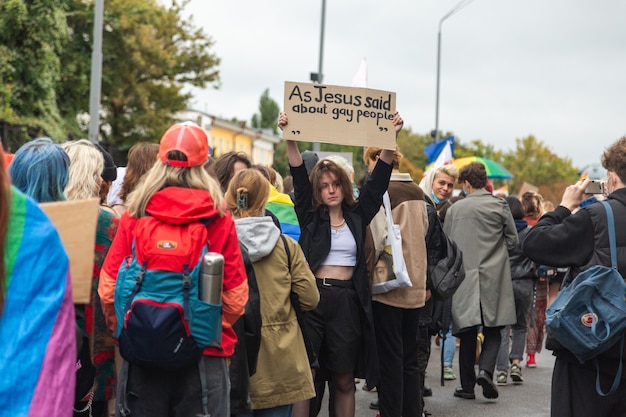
[555, 69]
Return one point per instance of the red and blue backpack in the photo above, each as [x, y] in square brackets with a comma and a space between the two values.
[161, 321]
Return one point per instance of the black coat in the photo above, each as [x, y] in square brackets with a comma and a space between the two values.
[437, 314]
[580, 241]
[315, 242]
[521, 266]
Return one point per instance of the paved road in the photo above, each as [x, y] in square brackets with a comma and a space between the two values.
[530, 399]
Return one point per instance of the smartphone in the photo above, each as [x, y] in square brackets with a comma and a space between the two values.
[595, 187]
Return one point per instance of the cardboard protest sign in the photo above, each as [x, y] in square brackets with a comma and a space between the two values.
[76, 222]
[341, 115]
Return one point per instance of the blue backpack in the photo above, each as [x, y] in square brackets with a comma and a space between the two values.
[588, 317]
[161, 322]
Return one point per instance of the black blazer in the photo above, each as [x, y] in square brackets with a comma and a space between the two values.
[315, 243]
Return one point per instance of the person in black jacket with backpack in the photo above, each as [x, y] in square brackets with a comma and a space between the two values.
[579, 240]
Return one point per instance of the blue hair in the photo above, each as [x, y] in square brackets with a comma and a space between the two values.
[40, 169]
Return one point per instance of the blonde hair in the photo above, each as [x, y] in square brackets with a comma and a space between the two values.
[247, 193]
[426, 184]
[86, 166]
[279, 182]
[275, 178]
[162, 175]
[450, 170]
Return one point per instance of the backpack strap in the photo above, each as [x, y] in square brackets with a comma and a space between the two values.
[204, 386]
[295, 302]
[611, 226]
[287, 251]
[122, 382]
[618, 374]
[613, 245]
[137, 287]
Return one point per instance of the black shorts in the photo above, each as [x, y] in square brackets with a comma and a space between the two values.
[335, 328]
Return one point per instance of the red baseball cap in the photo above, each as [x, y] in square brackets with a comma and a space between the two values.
[187, 138]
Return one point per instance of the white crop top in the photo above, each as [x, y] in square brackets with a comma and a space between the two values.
[342, 248]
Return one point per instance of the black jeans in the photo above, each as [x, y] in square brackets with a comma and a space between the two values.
[399, 390]
[155, 392]
[467, 354]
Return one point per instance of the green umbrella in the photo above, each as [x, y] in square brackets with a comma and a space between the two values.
[494, 169]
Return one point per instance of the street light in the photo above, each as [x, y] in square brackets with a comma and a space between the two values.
[460, 5]
[318, 77]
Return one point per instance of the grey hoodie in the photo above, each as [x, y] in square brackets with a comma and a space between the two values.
[258, 234]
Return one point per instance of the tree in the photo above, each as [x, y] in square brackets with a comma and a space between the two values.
[32, 35]
[268, 113]
[414, 160]
[533, 162]
[478, 148]
[150, 53]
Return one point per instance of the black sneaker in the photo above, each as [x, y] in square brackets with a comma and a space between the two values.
[374, 405]
[460, 393]
[427, 392]
[490, 391]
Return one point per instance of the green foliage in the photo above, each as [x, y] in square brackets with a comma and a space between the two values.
[268, 113]
[32, 35]
[532, 161]
[478, 148]
[414, 160]
[150, 52]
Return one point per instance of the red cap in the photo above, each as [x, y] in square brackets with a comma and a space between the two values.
[188, 138]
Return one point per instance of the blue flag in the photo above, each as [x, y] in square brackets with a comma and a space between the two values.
[433, 151]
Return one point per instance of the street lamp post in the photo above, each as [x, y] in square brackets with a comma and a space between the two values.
[318, 77]
[96, 73]
[455, 9]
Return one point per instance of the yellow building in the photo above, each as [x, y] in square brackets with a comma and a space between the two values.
[225, 136]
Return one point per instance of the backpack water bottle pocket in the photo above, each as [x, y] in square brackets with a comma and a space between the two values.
[157, 335]
[205, 322]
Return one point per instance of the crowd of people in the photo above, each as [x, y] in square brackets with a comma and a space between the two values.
[296, 312]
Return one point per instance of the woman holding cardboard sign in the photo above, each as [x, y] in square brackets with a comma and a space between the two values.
[333, 232]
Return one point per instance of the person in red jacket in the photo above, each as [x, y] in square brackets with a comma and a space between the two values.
[177, 189]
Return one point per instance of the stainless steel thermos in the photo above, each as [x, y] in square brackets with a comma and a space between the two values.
[212, 277]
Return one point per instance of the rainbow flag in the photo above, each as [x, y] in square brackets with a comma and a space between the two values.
[37, 326]
[282, 207]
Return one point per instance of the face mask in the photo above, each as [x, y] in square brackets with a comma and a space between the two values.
[435, 199]
[463, 193]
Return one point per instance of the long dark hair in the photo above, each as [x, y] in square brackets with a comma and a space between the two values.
[327, 166]
[4, 223]
[141, 157]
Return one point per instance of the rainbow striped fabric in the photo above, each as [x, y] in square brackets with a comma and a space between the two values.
[37, 326]
[282, 207]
